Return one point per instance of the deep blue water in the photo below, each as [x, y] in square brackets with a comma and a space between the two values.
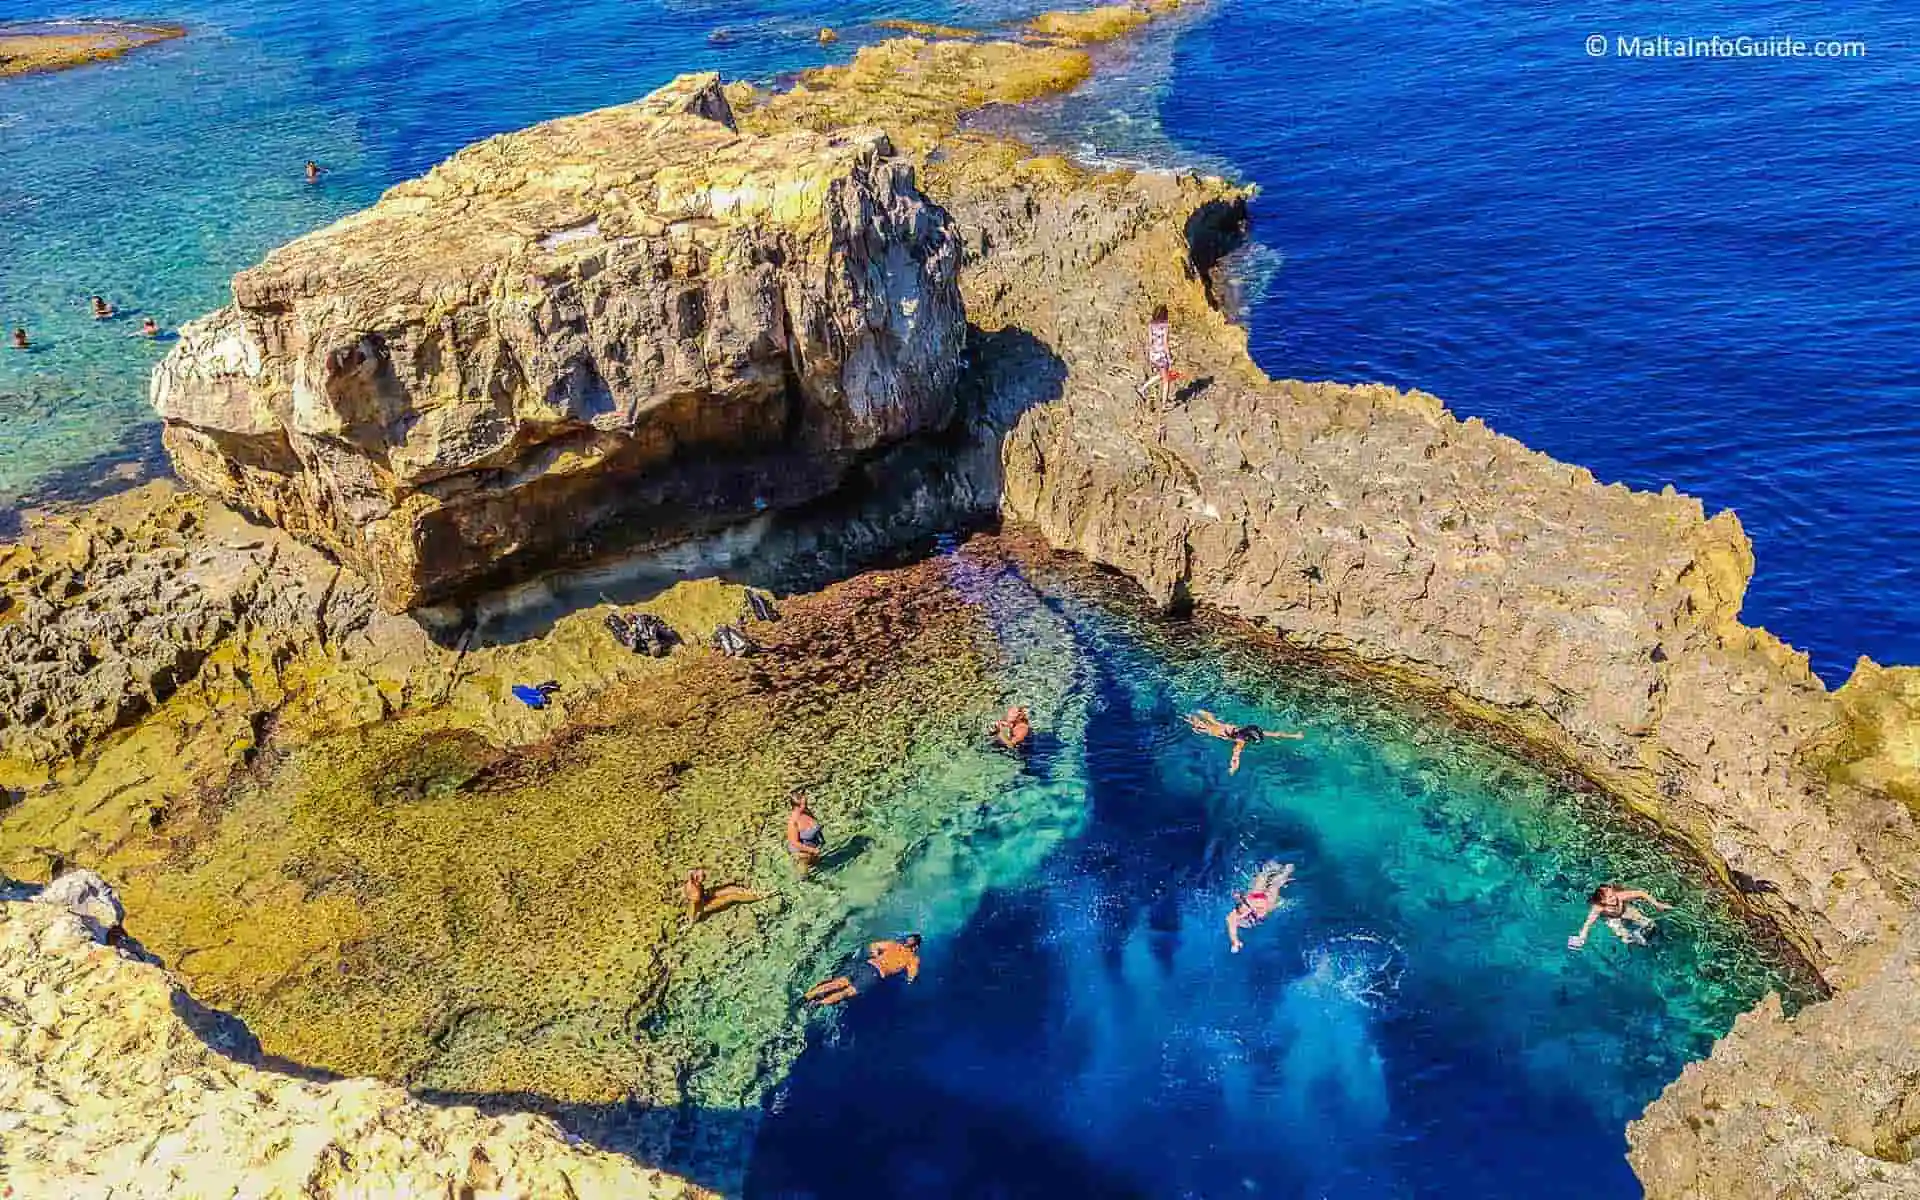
[1412, 1024]
[1697, 273]
[1703, 273]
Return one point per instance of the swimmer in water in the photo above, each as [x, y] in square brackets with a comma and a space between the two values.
[1240, 735]
[102, 311]
[20, 338]
[149, 328]
[1259, 901]
[885, 959]
[806, 837]
[703, 901]
[1011, 730]
[1614, 904]
[313, 171]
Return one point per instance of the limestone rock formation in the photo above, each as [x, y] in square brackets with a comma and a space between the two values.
[1825, 1104]
[114, 1083]
[610, 330]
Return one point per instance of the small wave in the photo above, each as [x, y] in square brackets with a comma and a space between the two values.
[1362, 967]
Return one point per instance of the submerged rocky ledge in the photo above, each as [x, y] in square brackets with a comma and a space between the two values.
[167, 663]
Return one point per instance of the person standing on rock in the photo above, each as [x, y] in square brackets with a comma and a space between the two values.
[1159, 357]
[806, 837]
[1614, 904]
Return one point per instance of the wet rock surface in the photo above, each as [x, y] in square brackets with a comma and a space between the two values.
[609, 331]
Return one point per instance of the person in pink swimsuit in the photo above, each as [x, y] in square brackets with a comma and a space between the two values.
[1259, 901]
[1159, 357]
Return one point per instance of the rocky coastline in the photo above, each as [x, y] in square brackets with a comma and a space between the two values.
[29, 48]
[167, 658]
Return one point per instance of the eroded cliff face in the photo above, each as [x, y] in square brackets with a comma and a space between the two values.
[110, 1091]
[609, 331]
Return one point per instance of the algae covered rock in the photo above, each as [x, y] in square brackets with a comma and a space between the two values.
[609, 331]
[116, 1083]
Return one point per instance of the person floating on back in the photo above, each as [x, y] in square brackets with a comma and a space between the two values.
[703, 901]
[102, 311]
[1159, 358]
[1614, 904]
[884, 960]
[806, 837]
[1257, 903]
[1013, 729]
[1240, 735]
[19, 338]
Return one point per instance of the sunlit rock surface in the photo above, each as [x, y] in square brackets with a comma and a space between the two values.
[115, 1083]
[607, 331]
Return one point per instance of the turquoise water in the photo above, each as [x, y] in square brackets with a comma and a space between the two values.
[1411, 1024]
[152, 179]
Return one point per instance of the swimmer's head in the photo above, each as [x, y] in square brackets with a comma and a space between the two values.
[911, 941]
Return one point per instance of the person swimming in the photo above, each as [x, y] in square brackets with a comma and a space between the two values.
[149, 327]
[102, 311]
[703, 901]
[1241, 736]
[806, 837]
[313, 171]
[885, 959]
[1259, 901]
[20, 338]
[1614, 904]
[1012, 730]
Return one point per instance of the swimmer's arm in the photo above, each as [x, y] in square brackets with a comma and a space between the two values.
[1234, 766]
[1593, 914]
[1630, 897]
[1233, 930]
[913, 968]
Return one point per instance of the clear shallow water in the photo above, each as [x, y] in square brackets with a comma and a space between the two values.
[152, 179]
[1411, 1024]
[1704, 273]
[1698, 273]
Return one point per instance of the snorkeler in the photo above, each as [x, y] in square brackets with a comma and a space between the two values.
[102, 311]
[1240, 735]
[885, 959]
[704, 902]
[1614, 904]
[806, 837]
[1257, 903]
[1011, 730]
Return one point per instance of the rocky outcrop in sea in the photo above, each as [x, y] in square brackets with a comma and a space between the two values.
[605, 332]
[404, 392]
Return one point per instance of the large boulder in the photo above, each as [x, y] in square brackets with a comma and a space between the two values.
[608, 331]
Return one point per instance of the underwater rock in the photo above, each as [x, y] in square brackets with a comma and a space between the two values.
[609, 331]
[116, 1083]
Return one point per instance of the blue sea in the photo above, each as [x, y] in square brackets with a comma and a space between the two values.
[1673, 271]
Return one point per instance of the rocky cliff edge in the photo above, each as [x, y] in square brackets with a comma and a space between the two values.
[114, 1083]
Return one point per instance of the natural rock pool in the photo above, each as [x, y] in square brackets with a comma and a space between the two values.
[1412, 1023]
[486, 908]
